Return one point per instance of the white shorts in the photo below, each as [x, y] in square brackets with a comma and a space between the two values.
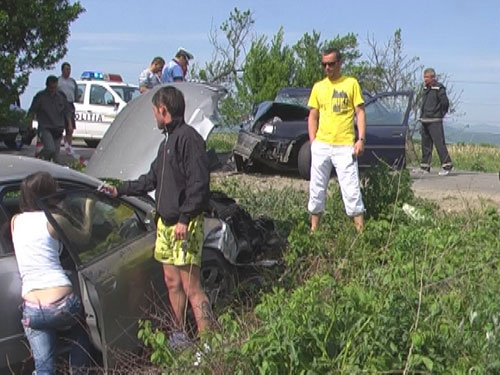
[323, 157]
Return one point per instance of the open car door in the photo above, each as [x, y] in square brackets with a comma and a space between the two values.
[387, 117]
[111, 244]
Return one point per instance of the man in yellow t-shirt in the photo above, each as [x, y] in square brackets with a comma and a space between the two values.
[334, 101]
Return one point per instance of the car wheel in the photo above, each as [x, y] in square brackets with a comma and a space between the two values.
[304, 160]
[217, 277]
[92, 142]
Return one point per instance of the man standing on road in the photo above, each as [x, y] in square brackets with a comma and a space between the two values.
[151, 76]
[435, 105]
[333, 102]
[69, 88]
[181, 178]
[52, 112]
[176, 69]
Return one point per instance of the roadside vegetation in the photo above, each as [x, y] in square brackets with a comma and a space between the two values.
[415, 293]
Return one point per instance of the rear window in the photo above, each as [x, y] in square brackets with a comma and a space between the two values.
[126, 93]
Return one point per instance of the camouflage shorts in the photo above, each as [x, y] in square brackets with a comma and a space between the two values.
[168, 250]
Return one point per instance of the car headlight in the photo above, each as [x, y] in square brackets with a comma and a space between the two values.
[267, 128]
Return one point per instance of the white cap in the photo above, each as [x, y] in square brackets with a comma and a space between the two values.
[185, 52]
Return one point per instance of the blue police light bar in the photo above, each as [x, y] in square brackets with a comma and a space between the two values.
[92, 75]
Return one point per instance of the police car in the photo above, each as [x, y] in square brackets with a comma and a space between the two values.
[101, 96]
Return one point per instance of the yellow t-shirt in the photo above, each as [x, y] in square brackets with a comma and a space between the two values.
[336, 102]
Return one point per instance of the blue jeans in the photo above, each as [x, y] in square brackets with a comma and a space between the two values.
[41, 324]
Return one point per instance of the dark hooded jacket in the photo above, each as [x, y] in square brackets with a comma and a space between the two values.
[180, 175]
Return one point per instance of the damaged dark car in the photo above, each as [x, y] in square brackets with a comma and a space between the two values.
[277, 136]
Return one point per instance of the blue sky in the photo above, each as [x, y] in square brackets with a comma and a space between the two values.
[460, 38]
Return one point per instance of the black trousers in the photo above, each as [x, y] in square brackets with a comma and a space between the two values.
[433, 134]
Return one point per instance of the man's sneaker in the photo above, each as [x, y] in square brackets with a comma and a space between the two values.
[420, 171]
[444, 172]
[178, 340]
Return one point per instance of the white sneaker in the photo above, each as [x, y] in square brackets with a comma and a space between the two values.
[444, 172]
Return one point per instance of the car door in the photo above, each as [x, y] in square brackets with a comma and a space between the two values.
[386, 127]
[103, 106]
[81, 114]
[119, 279]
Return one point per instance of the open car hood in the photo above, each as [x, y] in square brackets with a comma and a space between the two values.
[131, 143]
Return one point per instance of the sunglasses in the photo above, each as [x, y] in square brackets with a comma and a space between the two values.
[329, 64]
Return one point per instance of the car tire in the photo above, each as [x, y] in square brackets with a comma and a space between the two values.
[92, 142]
[217, 276]
[304, 161]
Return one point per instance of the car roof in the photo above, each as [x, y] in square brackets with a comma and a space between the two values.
[14, 167]
[109, 83]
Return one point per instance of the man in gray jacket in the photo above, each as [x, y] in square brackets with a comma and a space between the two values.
[435, 105]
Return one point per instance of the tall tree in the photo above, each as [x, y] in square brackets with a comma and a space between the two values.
[268, 67]
[33, 35]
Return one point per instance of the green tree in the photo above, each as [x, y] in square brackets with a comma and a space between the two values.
[33, 35]
[268, 67]
[308, 51]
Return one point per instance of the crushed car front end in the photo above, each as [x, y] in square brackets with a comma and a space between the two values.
[274, 137]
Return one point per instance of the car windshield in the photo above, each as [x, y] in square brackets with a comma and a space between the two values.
[127, 93]
[297, 96]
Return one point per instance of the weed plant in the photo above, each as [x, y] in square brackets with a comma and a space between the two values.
[412, 294]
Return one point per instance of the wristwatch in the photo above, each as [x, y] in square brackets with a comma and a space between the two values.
[362, 140]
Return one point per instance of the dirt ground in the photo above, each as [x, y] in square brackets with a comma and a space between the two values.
[448, 200]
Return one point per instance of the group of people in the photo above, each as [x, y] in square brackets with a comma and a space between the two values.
[160, 72]
[54, 109]
[180, 177]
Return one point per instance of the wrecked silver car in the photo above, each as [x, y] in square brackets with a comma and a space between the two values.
[277, 137]
[115, 273]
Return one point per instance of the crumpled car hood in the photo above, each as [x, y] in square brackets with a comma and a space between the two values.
[131, 143]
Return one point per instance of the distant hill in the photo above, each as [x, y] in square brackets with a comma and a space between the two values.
[477, 134]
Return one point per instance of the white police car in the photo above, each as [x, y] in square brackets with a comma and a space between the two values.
[100, 98]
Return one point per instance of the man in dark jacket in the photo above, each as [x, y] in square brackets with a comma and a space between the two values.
[435, 105]
[181, 177]
[52, 111]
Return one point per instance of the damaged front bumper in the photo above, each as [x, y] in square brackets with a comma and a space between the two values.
[272, 151]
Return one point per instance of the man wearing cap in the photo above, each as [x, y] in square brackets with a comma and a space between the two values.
[176, 69]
